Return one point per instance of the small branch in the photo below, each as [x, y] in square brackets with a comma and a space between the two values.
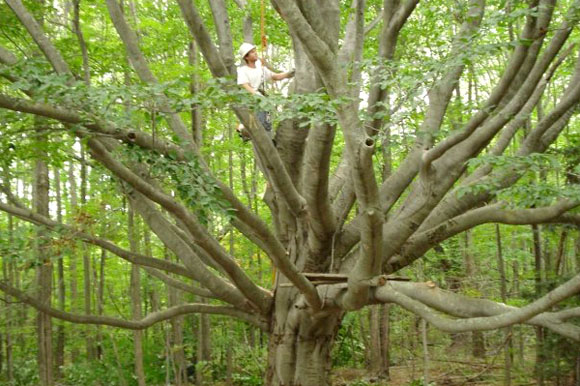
[144, 323]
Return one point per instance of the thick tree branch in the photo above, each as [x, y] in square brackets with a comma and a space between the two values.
[440, 95]
[202, 37]
[481, 314]
[36, 32]
[320, 54]
[273, 167]
[135, 258]
[222, 25]
[144, 323]
[256, 295]
[420, 243]
[131, 43]
[315, 185]
[350, 53]
[249, 224]
[178, 284]
[517, 103]
[164, 230]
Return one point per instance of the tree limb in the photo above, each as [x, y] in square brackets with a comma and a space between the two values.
[144, 323]
[36, 32]
[131, 44]
[179, 284]
[256, 295]
[420, 243]
[142, 260]
[222, 25]
[422, 299]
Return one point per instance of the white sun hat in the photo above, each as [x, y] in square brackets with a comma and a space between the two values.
[244, 49]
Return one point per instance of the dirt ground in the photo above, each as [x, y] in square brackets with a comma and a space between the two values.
[444, 373]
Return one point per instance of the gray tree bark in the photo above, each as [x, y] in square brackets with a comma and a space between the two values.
[60, 338]
[508, 346]
[136, 307]
[43, 273]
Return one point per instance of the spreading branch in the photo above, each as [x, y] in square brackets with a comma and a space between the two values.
[477, 314]
[141, 324]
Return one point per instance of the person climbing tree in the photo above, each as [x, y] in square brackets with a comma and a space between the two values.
[252, 75]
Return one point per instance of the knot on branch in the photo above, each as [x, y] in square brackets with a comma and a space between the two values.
[131, 136]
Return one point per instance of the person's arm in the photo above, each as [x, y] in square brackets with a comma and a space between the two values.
[283, 75]
[249, 88]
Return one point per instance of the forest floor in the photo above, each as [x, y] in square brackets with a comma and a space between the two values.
[441, 373]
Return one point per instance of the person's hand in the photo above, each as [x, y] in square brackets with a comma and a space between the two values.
[291, 73]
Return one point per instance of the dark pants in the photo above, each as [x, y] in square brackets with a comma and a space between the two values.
[265, 120]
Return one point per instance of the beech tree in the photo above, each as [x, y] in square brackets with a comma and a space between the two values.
[345, 213]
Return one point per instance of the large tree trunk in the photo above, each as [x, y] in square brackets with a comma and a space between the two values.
[300, 346]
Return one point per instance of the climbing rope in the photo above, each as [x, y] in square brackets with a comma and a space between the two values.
[263, 39]
[264, 51]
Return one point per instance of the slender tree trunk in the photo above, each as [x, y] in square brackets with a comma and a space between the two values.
[503, 291]
[561, 254]
[540, 357]
[136, 310]
[477, 339]
[375, 341]
[577, 369]
[229, 360]
[577, 254]
[43, 275]
[73, 274]
[7, 274]
[426, 364]
[87, 280]
[101, 302]
[386, 339]
[2, 351]
[60, 335]
[196, 118]
[177, 350]
[364, 335]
